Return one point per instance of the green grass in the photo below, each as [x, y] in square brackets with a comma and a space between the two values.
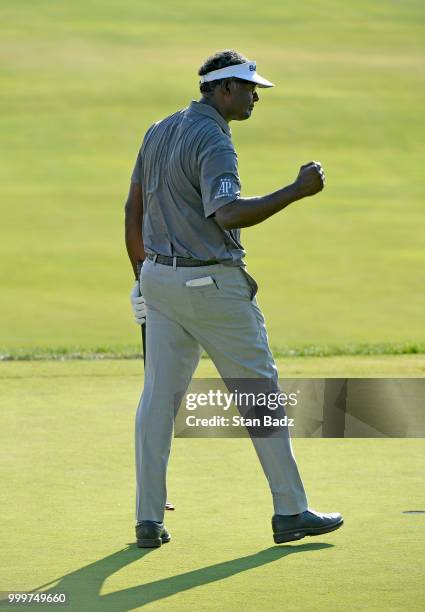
[345, 366]
[340, 286]
[67, 500]
[134, 352]
[81, 83]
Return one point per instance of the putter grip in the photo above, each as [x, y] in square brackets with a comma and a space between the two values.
[143, 326]
[139, 269]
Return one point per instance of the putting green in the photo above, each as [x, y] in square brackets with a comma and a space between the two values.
[67, 499]
[81, 83]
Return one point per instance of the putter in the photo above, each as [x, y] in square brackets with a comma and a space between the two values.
[143, 326]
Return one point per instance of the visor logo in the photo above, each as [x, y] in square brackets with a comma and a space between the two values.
[252, 67]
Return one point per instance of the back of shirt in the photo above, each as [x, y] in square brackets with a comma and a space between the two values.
[188, 169]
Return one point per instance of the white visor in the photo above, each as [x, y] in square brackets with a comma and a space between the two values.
[246, 71]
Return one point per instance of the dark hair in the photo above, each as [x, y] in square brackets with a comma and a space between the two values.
[221, 59]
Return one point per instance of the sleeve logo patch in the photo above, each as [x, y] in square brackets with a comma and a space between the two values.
[225, 189]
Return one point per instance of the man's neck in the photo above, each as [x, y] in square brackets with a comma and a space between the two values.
[213, 103]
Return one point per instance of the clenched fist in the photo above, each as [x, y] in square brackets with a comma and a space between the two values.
[310, 179]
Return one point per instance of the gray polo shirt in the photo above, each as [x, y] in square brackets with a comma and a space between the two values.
[188, 169]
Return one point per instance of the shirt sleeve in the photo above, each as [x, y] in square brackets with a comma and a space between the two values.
[136, 175]
[218, 176]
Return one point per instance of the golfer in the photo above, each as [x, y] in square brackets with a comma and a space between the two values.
[183, 218]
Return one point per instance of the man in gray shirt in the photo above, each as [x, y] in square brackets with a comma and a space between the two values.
[183, 217]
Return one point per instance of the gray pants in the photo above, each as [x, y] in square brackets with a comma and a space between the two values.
[225, 320]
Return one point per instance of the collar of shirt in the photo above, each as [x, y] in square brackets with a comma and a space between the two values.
[209, 111]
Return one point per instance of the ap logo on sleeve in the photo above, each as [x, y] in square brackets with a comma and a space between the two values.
[226, 188]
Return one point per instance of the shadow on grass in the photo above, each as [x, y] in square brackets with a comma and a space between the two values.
[83, 585]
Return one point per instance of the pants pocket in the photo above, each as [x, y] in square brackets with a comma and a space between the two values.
[251, 282]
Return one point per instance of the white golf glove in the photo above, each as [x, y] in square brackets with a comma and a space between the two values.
[138, 304]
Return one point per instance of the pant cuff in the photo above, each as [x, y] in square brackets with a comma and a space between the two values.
[286, 504]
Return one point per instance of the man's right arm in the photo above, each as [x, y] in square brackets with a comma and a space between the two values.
[244, 212]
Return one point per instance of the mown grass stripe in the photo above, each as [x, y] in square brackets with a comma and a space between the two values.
[133, 352]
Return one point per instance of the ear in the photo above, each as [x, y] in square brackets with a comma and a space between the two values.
[226, 87]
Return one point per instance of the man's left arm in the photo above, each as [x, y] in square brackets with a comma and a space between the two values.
[133, 226]
[135, 248]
